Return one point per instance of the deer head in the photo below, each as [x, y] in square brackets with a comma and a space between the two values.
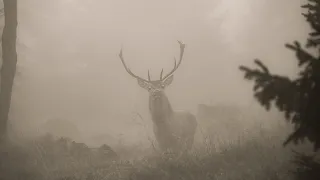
[157, 98]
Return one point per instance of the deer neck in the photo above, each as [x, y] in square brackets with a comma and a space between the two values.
[160, 111]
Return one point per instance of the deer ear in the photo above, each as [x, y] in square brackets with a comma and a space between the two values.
[168, 81]
[143, 84]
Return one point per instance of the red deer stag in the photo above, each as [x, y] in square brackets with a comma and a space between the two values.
[173, 130]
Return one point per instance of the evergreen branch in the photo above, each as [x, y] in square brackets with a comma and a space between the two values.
[302, 55]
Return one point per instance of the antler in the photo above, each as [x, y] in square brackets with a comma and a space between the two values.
[129, 71]
[182, 46]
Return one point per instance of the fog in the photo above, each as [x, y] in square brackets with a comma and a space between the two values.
[68, 64]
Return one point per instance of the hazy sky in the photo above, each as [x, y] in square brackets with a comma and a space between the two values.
[69, 66]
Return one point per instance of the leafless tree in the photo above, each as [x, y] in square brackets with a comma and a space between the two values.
[9, 62]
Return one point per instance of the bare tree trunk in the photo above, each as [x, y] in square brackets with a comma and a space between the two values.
[9, 62]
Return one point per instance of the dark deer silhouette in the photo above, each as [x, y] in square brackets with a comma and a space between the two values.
[173, 130]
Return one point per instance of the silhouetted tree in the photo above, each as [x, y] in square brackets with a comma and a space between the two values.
[307, 166]
[298, 98]
[9, 62]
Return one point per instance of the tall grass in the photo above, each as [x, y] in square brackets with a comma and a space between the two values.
[253, 157]
[253, 154]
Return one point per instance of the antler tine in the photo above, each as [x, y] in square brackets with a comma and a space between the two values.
[127, 69]
[149, 76]
[182, 46]
[161, 74]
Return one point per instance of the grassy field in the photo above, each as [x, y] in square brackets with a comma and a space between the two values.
[253, 157]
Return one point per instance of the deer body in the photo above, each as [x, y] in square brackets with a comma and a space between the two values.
[173, 130]
[177, 132]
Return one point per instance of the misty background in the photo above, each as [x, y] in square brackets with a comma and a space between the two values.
[68, 65]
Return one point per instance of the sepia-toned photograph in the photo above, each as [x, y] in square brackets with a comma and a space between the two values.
[160, 90]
